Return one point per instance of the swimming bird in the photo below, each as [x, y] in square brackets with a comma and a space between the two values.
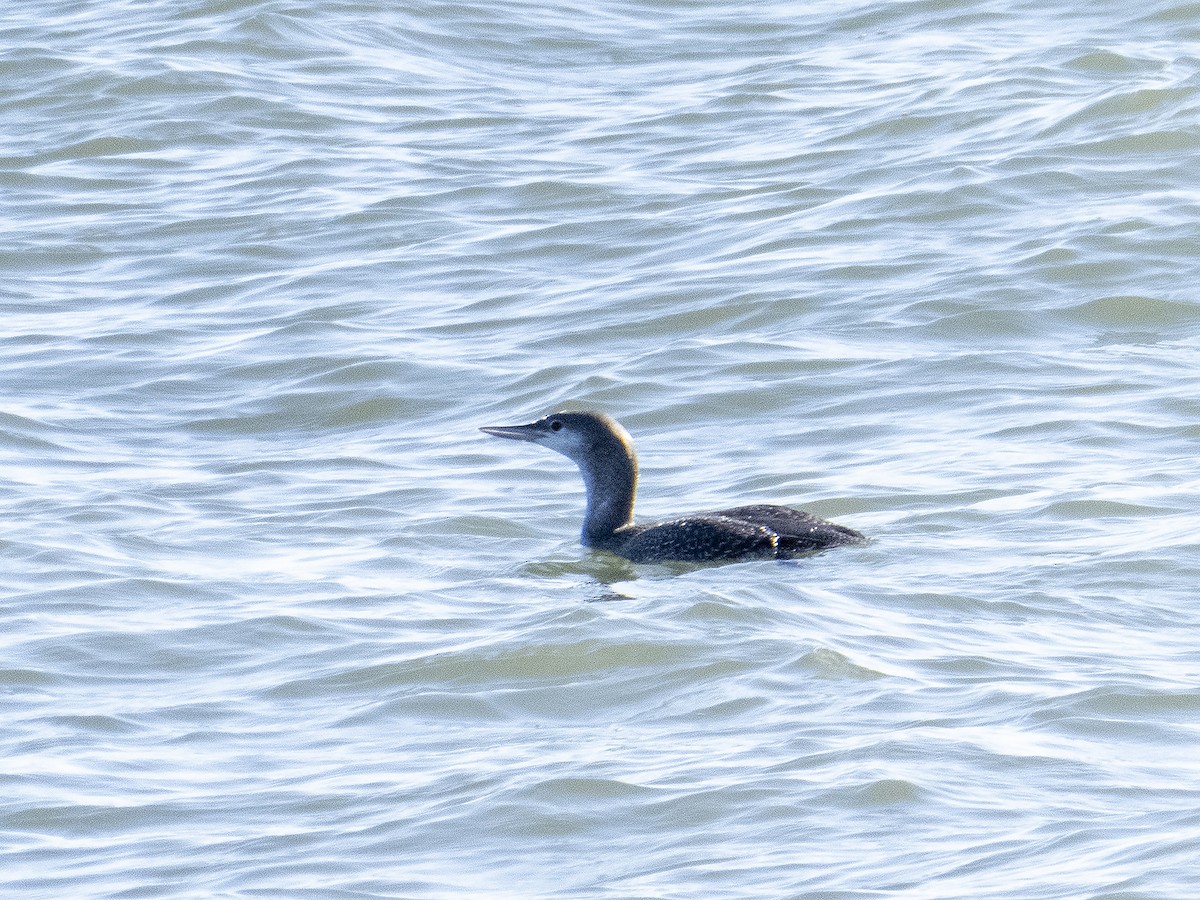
[604, 452]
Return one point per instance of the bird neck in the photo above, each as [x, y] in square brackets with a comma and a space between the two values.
[610, 476]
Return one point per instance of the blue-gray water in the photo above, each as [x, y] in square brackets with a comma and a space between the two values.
[278, 621]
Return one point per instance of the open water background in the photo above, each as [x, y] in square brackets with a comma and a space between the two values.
[278, 621]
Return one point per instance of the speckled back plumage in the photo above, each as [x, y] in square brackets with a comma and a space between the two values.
[702, 538]
[798, 532]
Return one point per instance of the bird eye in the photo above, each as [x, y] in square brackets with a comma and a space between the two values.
[555, 425]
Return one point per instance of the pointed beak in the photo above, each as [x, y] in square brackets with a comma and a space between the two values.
[530, 432]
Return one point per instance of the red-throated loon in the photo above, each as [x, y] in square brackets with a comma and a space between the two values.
[603, 450]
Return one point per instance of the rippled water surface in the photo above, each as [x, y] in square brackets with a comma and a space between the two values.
[279, 621]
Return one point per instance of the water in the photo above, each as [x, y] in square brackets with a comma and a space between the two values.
[278, 621]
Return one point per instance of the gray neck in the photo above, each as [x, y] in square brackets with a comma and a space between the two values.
[610, 475]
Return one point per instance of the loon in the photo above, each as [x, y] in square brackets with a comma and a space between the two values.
[603, 450]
